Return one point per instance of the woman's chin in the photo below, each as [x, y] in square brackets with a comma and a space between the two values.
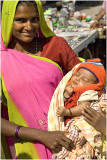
[27, 40]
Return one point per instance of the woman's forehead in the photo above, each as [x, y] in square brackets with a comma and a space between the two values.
[25, 9]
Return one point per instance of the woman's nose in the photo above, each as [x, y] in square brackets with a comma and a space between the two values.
[28, 26]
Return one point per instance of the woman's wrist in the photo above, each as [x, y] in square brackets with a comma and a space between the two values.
[103, 127]
[31, 134]
[96, 21]
[16, 131]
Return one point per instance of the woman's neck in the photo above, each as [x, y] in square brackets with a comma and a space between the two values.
[33, 47]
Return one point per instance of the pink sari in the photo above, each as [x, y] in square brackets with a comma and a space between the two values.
[28, 83]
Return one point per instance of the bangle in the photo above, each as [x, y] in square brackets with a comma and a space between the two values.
[70, 112]
[65, 97]
[96, 21]
[16, 131]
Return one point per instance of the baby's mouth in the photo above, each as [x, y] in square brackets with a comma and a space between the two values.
[74, 84]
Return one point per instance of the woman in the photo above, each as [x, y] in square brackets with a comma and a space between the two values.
[100, 14]
[29, 79]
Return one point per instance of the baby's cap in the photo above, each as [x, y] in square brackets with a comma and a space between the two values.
[96, 68]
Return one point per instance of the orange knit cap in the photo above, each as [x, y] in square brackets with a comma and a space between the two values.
[94, 66]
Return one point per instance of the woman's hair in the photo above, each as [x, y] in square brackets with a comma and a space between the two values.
[26, 2]
[1, 5]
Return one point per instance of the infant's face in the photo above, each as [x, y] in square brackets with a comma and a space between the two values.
[82, 77]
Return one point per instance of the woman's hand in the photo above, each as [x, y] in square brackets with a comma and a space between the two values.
[95, 119]
[103, 23]
[52, 139]
[82, 143]
[94, 24]
[55, 140]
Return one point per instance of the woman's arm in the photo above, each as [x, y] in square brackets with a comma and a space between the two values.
[52, 139]
[101, 13]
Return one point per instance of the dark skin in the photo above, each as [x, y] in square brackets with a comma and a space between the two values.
[25, 27]
[95, 119]
[53, 140]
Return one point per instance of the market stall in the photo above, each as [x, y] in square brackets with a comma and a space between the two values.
[73, 26]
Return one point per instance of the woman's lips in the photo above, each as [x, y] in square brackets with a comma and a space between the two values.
[27, 34]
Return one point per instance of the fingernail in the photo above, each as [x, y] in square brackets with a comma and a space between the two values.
[84, 118]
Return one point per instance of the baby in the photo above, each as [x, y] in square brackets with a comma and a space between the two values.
[82, 88]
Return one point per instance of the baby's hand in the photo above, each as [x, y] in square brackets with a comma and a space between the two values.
[61, 111]
[68, 91]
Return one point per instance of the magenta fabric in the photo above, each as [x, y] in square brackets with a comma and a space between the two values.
[30, 83]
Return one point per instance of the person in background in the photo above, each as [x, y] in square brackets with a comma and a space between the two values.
[33, 61]
[101, 13]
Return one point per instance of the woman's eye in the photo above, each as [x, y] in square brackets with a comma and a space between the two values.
[35, 19]
[22, 20]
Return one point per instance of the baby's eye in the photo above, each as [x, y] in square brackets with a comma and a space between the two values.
[77, 74]
[85, 79]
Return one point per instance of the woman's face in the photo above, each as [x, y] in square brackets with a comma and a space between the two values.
[26, 22]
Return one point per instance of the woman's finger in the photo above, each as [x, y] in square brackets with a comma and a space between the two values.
[103, 113]
[91, 112]
[88, 121]
[68, 143]
[83, 142]
[87, 116]
[57, 148]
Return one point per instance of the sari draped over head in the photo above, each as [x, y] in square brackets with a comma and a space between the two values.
[8, 12]
[28, 83]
